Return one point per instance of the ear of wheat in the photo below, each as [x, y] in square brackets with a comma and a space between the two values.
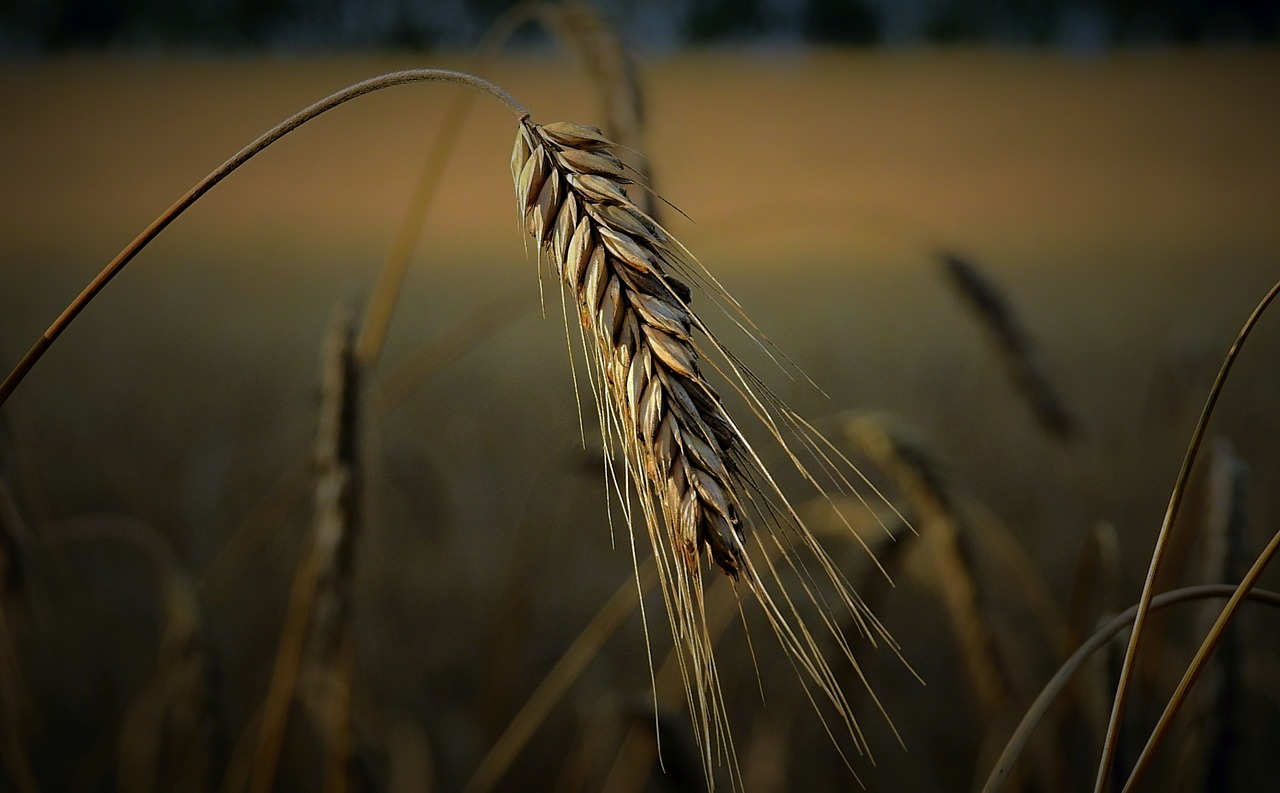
[699, 484]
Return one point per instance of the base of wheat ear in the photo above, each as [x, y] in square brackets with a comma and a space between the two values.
[699, 484]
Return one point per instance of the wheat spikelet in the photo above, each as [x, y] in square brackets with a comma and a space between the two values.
[1021, 355]
[956, 537]
[944, 561]
[700, 487]
[316, 643]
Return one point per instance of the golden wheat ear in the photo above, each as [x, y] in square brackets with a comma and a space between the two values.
[701, 488]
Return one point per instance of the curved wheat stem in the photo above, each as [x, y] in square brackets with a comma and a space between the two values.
[1157, 553]
[206, 184]
[611, 67]
[1022, 733]
[699, 485]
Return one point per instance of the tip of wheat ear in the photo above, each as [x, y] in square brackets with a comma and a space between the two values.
[617, 262]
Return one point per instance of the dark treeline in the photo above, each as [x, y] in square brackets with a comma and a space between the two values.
[53, 25]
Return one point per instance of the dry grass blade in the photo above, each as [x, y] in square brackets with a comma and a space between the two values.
[697, 481]
[316, 636]
[1201, 660]
[411, 765]
[1025, 364]
[1157, 554]
[556, 682]
[721, 606]
[1044, 700]
[393, 389]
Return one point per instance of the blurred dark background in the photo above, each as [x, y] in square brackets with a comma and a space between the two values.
[33, 26]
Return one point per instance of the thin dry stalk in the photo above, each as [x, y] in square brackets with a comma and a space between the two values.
[393, 389]
[609, 64]
[648, 733]
[272, 510]
[698, 483]
[557, 681]
[1000, 773]
[1178, 566]
[274, 722]
[130, 251]
[1200, 662]
[1206, 757]
[942, 565]
[1022, 358]
[1126, 746]
[316, 635]
[410, 762]
[1107, 759]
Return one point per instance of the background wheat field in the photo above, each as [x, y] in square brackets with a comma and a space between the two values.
[1126, 205]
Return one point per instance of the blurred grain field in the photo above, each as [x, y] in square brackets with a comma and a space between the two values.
[1127, 206]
